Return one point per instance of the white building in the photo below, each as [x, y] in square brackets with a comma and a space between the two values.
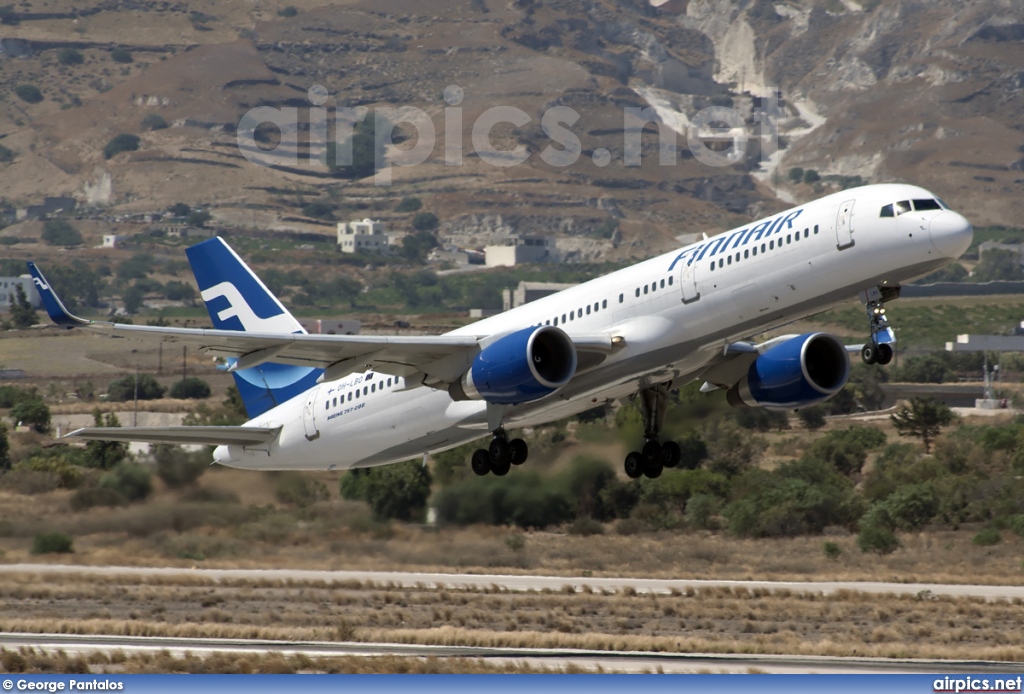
[113, 240]
[517, 250]
[8, 291]
[366, 236]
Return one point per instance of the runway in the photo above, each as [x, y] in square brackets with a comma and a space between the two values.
[411, 579]
[554, 658]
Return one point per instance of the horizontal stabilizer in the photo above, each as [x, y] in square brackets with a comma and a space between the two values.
[201, 436]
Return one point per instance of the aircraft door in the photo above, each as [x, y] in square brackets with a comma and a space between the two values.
[309, 415]
[844, 225]
[688, 282]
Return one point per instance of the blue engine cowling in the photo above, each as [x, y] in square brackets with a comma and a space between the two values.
[520, 367]
[800, 372]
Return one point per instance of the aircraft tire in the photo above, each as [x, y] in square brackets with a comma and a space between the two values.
[518, 451]
[884, 354]
[869, 355]
[634, 465]
[480, 462]
[653, 470]
[501, 469]
[499, 452]
[671, 454]
[652, 451]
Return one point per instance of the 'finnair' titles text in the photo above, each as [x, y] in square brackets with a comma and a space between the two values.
[736, 239]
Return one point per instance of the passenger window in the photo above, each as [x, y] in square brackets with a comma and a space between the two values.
[645, 289]
[547, 322]
[670, 281]
[762, 248]
[350, 396]
[771, 245]
[327, 405]
[373, 388]
[902, 206]
[572, 315]
[365, 390]
[563, 319]
[604, 304]
[654, 286]
[579, 312]
[638, 292]
[721, 263]
[746, 254]
[357, 393]
[806, 233]
[728, 260]
[335, 402]
[923, 205]
[712, 265]
[556, 320]
[886, 211]
[622, 297]
[663, 284]
[815, 228]
[389, 383]
[796, 236]
[755, 251]
[588, 310]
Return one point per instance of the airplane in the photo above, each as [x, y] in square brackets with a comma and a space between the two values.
[326, 402]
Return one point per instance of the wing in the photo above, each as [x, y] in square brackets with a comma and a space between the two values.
[203, 436]
[438, 358]
[420, 359]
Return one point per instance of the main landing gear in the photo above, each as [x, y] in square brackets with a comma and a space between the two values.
[879, 349]
[500, 456]
[655, 456]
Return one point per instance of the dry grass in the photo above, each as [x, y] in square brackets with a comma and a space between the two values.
[714, 620]
[29, 661]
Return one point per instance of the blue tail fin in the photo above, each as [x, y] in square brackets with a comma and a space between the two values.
[237, 300]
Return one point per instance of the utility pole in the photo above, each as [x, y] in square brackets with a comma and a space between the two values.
[135, 413]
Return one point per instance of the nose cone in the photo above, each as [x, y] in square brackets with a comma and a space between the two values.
[951, 234]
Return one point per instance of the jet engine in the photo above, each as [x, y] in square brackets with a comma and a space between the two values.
[800, 372]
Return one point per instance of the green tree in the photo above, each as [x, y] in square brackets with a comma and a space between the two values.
[179, 209]
[811, 176]
[105, 455]
[289, 11]
[397, 492]
[300, 490]
[924, 418]
[133, 298]
[76, 284]
[5, 449]
[425, 221]
[796, 174]
[22, 314]
[366, 148]
[177, 467]
[69, 56]
[29, 93]
[123, 389]
[190, 388]
[154, 121]
[319, 210]
[125, 142]
[59, 232]
[121, 55]
[32, 412]
[199, 218]
[812, 417]
[409, 204]
[52, 543]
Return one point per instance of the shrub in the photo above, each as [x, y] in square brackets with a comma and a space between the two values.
[28, 93]
[51, 543]
[91, 497]
[154, 121]
[877, 539]
[811, 176]
[796, 174]
[397, 491]
[190, 388]
[199, 218]
[179, 209]
[812, 417]
[121, 55]
[7, 155]
[585, 526]
[69, 56]
[425, 221]
[701, 510]
[987, 538]
[177, 467]
[319, 209]
[832, 550]
[5, 447]
[289, 11]
[912, 505]
[125, 142]
[409, 205]
[300, 490]
[124, 388]
[59, 232]
[131, 480]
[523, 499]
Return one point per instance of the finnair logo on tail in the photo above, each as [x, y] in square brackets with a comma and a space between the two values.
[239, 308]
[43, 286]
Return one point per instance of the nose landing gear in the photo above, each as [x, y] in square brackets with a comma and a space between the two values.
[655, 456]
[881, 345]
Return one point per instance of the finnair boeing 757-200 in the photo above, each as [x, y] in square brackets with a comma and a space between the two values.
[324, 402]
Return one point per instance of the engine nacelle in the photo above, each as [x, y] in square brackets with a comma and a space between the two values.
[520, 367]
[800, 372]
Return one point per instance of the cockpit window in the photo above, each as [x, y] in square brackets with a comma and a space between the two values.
[902, 206]
[886, 211]
[927, 204]
[944, 205]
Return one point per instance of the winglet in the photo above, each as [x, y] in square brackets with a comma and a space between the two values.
[54, 306]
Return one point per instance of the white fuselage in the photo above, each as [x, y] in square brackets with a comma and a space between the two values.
[674, 313]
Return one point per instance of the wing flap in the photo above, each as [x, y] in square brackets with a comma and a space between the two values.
[202, 436]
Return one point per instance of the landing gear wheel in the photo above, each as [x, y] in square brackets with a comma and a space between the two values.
[671, 454]
[634, 465]
[884, 354]
[653, 469]
[499, 452]
[501, 469]
[869, 355]
[480, 462]
[652, 451]
[518, 451]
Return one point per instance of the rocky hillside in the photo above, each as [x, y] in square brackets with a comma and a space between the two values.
[927, 92]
